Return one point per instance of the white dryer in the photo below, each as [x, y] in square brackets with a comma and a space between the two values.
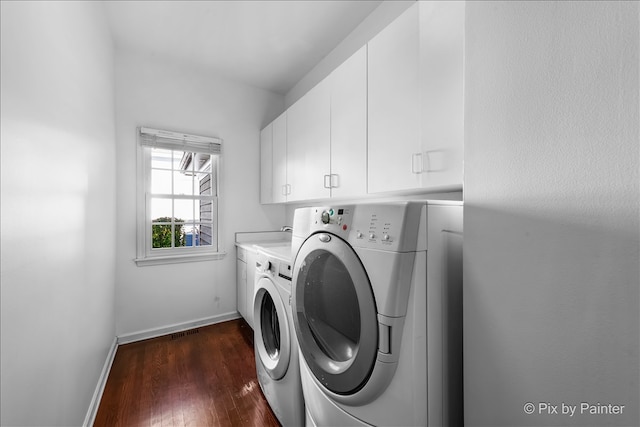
[275, 343]
[377, 300]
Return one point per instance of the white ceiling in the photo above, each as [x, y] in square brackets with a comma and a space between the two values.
[267, 44]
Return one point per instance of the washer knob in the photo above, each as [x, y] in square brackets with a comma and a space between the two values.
[385, 237]
[372, 236]
[325, 217]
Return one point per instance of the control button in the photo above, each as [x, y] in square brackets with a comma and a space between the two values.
[331, 212]
[325, 217]
[372, 236]
[325, 238]
[359, 235]
[344, 227]
[385, 237]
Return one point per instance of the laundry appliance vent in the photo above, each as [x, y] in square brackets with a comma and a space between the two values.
[184, 333]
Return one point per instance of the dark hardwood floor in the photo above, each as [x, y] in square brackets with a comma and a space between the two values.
[202, 377]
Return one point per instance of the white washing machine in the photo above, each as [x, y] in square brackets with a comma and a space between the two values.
[276, 346]
[377, 308]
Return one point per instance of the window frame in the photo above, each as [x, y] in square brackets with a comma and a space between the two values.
[145, 253]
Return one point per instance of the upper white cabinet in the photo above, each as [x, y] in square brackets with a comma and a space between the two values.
[415, 71]
[266, 164]
[280, 186]
[348, 83]
[440, 163]
[389, 119]
[308, 144]
[327, 135]
[273, 161]
[394, 104]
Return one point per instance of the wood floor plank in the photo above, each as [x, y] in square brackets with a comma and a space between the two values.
[203, 377]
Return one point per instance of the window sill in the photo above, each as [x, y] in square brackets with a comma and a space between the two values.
[175, 259]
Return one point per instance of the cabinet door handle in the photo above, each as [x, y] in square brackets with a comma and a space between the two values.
[416, 163]
[288, 189]
[283, 190]
[327, 181]
[335, 180]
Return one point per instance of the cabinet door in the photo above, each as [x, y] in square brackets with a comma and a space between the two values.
[266, 164]
[394, 107]
[279, 141]
[441, 91]
[252, 257]
[308, 145]
[241, 287]
[349, 127]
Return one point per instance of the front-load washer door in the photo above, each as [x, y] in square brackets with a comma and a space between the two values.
[334, 313]
[271, 329]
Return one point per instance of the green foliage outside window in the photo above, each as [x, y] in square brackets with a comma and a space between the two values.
[161, 233]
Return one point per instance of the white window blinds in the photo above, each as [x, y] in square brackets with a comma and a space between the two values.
[172, 140]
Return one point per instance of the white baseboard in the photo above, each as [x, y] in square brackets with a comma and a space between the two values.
[102, 381]
[178, 327]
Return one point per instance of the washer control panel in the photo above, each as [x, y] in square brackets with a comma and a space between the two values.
[336, 220]
[273, 267]
[379, 228]
[385, 226]
[334, 216]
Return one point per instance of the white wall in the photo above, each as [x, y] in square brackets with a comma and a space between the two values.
[167, 95]
[382, 16]
[58, 209]
[551, 247]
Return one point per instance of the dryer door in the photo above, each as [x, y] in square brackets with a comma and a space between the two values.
[271, 329]
[334, 313]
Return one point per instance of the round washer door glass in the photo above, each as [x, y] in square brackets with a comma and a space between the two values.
[270, 326]
[334, 313]
[271, 330]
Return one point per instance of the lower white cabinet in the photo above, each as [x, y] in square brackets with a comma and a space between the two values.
[245, 281]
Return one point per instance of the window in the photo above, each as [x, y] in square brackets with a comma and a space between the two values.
[178, 197]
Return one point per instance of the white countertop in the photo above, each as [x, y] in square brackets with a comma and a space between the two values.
[273, 243]
[280, 251]
[263, 237]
